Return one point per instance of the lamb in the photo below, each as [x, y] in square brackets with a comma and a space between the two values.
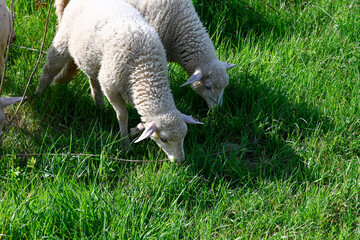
[7, 32]
[186, 42]
[121, 54]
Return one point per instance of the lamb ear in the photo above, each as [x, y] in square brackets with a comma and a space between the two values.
[190, 119]
[149, 130]
[7, 101]
[195, 77]
[228, 65]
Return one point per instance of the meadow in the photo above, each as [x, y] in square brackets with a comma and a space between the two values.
[279, 160]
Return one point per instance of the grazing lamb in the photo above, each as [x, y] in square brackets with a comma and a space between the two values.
[6, 31]
[4, 102]
[112, 43]
[186, 42]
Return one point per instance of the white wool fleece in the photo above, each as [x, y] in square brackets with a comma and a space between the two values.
[180, 30]
[112, 43]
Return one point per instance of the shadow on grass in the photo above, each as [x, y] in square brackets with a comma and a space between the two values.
[258, 128]
[234, 19]
[66, 120]
[230, 21]
[65, 112]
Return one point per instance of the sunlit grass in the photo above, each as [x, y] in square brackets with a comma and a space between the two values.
[280, 159]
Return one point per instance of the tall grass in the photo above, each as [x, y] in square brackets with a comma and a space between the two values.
[290, 119]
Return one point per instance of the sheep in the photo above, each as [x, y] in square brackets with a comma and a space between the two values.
[5, 102]
[186, 42]
[7, 32]
[121, 54]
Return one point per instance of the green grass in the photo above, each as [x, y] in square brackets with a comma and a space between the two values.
[292, 106]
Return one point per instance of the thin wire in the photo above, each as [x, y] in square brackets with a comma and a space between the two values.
[31, 49]
[82, 155]
[113, 158]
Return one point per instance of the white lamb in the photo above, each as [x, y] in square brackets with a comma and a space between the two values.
[186, 42]
[6, 31]
[112, 43]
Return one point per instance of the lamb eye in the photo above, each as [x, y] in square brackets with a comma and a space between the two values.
[163, 139]
[207, 86]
